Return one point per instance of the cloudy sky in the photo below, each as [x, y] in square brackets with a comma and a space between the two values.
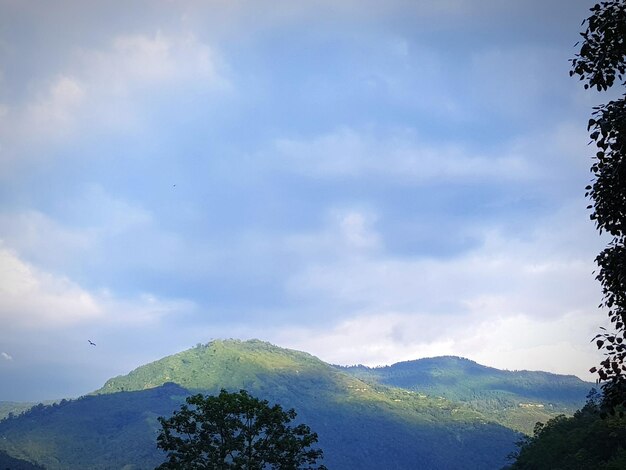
[367, 181]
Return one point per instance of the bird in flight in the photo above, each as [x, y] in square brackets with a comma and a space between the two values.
[91, 342]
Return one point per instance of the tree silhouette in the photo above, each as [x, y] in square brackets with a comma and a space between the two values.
[236, 431]
[602, 60]
[583, 441]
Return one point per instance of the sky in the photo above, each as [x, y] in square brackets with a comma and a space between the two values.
[370, 182]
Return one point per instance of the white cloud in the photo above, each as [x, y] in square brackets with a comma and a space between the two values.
[139, 60]
[355, 230]
[517, 303]
[107, 214]
[509, 293]
[104, 89]
[6, 356]
[402, 156]
[348, 231]
[44, 240]
[549, 159]
[54, 112]
[143, 309]
[49, 117]
[561, 343]
[33, 299]
[505, 341]
[52, 244]
[527, 274]
[95, 231]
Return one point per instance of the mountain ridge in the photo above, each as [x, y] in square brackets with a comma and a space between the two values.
[460, 358]
[516, 399]
[360, 425]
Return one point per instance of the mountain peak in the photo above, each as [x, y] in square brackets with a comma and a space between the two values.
[429, 413]
[228, 363]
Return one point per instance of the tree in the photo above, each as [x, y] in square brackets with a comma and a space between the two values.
[583, 441]
[602, 59]
[236, 431]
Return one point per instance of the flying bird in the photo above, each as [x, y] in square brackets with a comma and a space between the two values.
[91, 342]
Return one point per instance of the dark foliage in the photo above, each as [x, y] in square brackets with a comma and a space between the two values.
[93, 432]
[602, 59]
[582, 442]
[602, 52]
[236, 431]
[10, 463]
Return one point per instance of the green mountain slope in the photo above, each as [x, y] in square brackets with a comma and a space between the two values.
[583, 441]
[516, 399]
[13, 407]
[103, 432]
[360, 425]
[11, 463]
[251, 365]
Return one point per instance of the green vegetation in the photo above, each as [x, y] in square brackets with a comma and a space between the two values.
[584, 441]
[516, 399]
[236, 431]
[11, 463]
[112, 431]
[230, 364]
[14, 408]
[431, 413]
[360, 425]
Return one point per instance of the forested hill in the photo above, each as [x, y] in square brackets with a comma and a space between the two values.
[12, 407]
[234, 364]
[11, 463]
[517, 399]
[360, 425]
[440, 413]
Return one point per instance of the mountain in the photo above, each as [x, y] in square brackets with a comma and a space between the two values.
[9, 408]
[94, 432]
[360, 425]
[516, 399]
[589, 439]
[13, 408]
[11, 463]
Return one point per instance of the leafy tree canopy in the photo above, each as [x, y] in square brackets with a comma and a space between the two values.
[602, 59]
[236, 431]
[581, 442]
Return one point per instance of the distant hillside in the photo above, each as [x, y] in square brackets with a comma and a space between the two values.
[360, 425]
[10, 463]
[13, 407]
[584, 441]
[105, 432]
[517, 399]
